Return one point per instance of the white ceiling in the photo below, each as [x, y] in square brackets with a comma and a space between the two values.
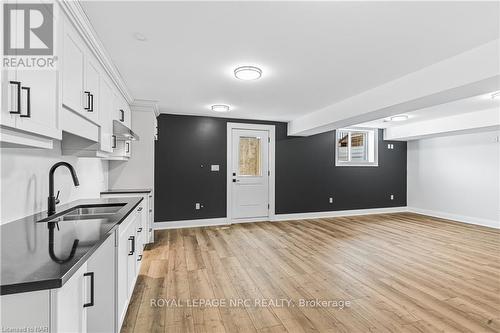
[313, 54]
[466, 105]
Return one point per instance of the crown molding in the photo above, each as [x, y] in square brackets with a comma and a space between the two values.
[145, 105]
[77, 16]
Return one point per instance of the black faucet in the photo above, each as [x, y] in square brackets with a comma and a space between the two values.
[53, 201]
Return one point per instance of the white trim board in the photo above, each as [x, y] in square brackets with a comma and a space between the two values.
[277, 218]
[190, 223]
[457, 218]
[339, 213]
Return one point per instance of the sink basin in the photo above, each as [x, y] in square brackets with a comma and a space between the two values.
[85, 212]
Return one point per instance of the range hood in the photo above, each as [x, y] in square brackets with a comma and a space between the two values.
[122, 132]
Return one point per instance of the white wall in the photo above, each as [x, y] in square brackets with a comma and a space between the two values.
[138, 171]
[456, 177]
[25, 179]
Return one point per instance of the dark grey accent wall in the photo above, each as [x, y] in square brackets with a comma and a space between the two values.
[306, 175]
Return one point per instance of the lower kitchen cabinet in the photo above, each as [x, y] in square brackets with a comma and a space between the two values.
[86, 302]
[96, 296]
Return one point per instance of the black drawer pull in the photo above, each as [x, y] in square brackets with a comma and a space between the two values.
[18, 84]
[122, 115]
[113, 142]
[87, 93]
[132, 238]
[91, 303]
[91, 103]
[139, 230]
[139, 257]
[128, 147]
[28, 103]
[139, 209]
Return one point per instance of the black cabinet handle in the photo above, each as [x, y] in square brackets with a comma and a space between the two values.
[28, 103]
[128, 147]
[139, 230]
[122, 115]
[139, 209]
[113, 145]
[87, 93]
[91, 303]
[91, 103]
[139, 257]
[18, 84]
[132, 238]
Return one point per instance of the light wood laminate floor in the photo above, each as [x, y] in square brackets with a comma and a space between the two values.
[400, 272]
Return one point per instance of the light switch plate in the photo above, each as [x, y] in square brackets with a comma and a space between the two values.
[214, 167]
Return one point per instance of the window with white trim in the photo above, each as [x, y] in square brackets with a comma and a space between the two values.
[356, 147]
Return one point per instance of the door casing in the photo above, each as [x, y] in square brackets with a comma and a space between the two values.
[272, 149]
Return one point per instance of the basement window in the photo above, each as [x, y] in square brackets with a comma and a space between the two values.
[356, 147]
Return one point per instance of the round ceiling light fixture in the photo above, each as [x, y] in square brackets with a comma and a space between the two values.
[248, 73]
[220, 108]
[401, 117]
[140, 37]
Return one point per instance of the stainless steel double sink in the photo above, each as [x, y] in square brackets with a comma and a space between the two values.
[85, 212]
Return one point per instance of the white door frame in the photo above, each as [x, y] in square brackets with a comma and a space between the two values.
[272, 150]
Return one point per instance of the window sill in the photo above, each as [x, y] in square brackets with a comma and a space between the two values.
[356, 164]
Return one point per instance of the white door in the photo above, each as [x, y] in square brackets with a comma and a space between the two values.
[250, 173]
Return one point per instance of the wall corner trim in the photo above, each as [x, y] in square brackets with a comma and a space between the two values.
[457, 218]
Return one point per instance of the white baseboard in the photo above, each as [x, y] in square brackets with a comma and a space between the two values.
[190, 223]
[339, 213]
[457, 217]
[278, 217]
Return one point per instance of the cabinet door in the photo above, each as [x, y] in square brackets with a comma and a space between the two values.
[106, 99]
[124, 275]
[10, 89]
[101, 315]
[91, 93]
[132, 258]
[73, 69]
[70, 313]
[39, 106]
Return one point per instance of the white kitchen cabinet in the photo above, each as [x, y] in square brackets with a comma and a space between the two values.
[122, 110]
[68, 303]
[148, 211]
[91, 92]
[126, 259]
[39, 103]
[106, 103]
[101, 315]
[73, 67]
[29, 102]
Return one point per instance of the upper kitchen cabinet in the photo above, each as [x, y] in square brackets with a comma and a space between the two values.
[80, 79]
[106, 105]
[29, 110]
[122, 113]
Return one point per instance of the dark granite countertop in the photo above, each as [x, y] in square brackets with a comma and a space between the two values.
[126, 190]
[26, 264]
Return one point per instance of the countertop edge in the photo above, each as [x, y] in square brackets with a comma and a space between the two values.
[49, 284]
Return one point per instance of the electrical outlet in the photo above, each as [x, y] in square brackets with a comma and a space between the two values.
[330, 200]
[197, 206]
[392, 196]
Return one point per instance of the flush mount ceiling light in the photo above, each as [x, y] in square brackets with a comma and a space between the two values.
[401, 117]
[140, 37]
[248, 73]
[220, 108]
